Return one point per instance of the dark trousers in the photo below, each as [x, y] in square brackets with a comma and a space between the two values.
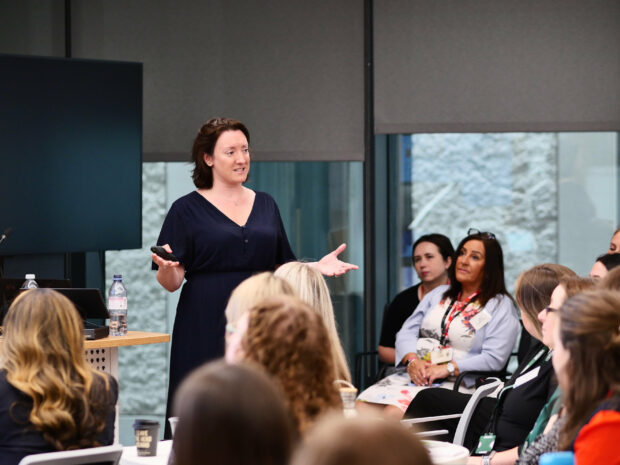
[438, 401]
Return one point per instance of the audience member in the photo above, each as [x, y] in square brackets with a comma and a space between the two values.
[231, 415]
[614, 244]
[51, 399]
[511, 415]
[432, 255]
[289, 339]
[363, 440]
[470, 324]
[544, 436]
[587, 364]
[611, 281]
[310, 286]
[603, 264]
[253, 289]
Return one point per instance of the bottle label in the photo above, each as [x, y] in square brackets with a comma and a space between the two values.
[117, 303]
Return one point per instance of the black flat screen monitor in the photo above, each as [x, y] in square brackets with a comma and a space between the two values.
[70, 155]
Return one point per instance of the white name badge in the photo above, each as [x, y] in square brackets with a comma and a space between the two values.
[530, 375]
[480, 319]
[441, 356]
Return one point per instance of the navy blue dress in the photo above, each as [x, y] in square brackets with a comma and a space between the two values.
[217, 254]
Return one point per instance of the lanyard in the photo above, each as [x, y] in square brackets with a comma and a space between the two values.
[453, 311]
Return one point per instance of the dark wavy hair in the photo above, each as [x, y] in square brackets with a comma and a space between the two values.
[442, 242]
[609, 260]
[205, 142]
[493, 281]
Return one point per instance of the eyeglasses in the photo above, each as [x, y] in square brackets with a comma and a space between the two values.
[477, 232]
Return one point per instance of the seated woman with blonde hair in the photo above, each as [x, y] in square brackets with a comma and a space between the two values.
[289, 340]
[312, 289]
[251, 290]
[51, 399]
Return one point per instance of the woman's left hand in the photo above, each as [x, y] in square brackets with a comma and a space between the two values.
[436, 372]
[330, 265]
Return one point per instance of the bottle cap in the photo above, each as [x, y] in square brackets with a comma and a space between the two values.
[118, 276]
[30, 276]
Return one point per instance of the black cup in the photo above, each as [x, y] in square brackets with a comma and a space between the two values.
[147, 437]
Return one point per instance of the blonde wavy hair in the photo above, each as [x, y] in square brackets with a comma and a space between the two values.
[43, 356]
[312, 289]
[289, 340]
[253, 289]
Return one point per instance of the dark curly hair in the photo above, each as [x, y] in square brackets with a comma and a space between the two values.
[205, 142]
[290, 341]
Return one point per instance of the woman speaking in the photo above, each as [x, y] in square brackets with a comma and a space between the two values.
[221, 233]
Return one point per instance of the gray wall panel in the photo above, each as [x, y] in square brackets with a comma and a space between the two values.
[292, 71]
[497, 65]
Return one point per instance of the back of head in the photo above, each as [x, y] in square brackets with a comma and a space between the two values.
[43, 356]
[310, 286]
[252, 290]
[360, 441]
[231, 414]
[290, 341]
[535, 286]
[44, 324]
[574, 285]
[609, 260]
[611, 281]
[589, 330]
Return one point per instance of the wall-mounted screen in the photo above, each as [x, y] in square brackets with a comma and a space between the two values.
[70, 155]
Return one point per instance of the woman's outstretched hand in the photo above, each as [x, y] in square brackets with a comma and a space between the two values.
[330, 265]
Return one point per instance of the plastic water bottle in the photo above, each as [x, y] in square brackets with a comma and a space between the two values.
[30, 283]
[117, 306]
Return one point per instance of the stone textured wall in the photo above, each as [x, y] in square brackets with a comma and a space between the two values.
[143, 370]
[505, 183]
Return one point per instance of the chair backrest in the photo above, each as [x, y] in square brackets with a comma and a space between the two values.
[477, 396]
[103, 455]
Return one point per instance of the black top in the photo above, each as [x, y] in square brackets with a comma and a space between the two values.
[395, 314]
[518, 407]
[218, 254]
[19, 438]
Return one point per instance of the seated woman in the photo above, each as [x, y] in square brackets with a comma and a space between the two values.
[432, 256]
[604, 264]
[231, 415]
[310, 285]
[511, 415]
[587, 363]
[50, 397]
[544, 435]
[360, 441]
[251, 290]
[289, 340]
[471, 324]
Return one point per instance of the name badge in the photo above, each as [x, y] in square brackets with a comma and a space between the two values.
[480, 319]
[441, 356]
[530, 375]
